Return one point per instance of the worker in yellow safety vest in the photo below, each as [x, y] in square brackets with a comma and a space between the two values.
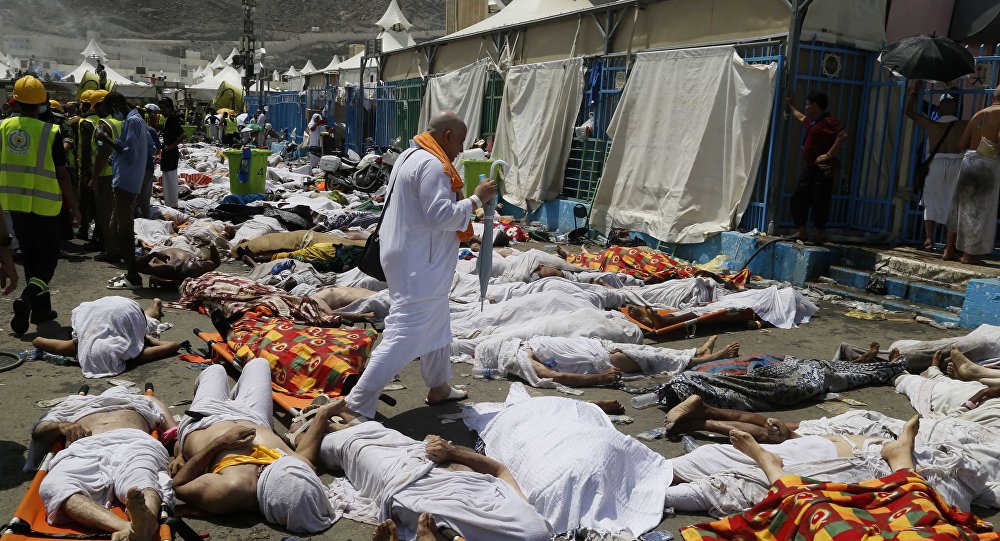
[101, 174]
[232, 130]
[85, 168]
[34, 186]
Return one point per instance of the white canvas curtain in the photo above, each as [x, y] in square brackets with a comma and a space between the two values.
[687, 140]
[460, 91]
[535, 129]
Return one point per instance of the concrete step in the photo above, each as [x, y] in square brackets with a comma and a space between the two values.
[911, 263]
[891, 303]
[913, 289]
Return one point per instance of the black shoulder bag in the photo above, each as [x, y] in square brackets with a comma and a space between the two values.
[920, 174]
[371, 262]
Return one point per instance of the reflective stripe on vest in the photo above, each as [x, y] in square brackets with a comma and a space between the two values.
[28, 181]
[115, 127]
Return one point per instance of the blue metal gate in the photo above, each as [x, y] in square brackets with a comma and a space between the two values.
[286, 113]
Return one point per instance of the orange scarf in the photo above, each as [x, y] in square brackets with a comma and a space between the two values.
[426, 142]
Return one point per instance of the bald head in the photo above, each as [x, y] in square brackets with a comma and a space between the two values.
[449, 130]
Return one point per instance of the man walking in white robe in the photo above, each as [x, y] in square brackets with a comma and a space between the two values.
[419, 241]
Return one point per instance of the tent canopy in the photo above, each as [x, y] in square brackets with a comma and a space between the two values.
[93, 49]
[309, 68]
[113, 76]
[352, 63]
[292, 72]
[229, 59]
[522, 11]
[218, 63]
[332, 66]
[228, 75]
[394, 16]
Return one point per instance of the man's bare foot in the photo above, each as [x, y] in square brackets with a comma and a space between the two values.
[949, 253]
[961, 367]
[728, 352]
[561, 252]
[769, 462]
[777, 430]
[937, 359]
[385, 532]
[155, 310]
[610, 376]
[899, 453]
[691, 408]
[427, 528]
[707, 347]
[869, 356]
[143, 520]
[894, 355]
[611, 407]
[972, 260]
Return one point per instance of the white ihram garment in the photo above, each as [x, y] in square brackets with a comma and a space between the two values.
[419, 243]
[109, 332]
[974, 213]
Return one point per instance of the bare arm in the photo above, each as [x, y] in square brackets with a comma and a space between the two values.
[966, 135]
[197, 465]
[841, 137]
[439, 450]
[48, 432]
[911, 107]
[308, 444]
[793, 111]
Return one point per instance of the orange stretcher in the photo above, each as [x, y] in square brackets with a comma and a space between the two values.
[30, 521]
[684, 324]
[221, 352]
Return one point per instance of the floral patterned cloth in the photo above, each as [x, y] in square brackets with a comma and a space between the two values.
[644, 263]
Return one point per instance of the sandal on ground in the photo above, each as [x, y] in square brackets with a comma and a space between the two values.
[454, 395]
[124, 284]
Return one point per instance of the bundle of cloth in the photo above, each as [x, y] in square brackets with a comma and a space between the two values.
[646, 264]
[110, 332]
[235, 296]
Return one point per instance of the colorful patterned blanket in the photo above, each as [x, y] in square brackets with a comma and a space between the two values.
[305, 361]
[901, 506]
[235, 296]
[644, 263]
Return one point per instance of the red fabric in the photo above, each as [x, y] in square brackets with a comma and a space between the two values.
[819, 137]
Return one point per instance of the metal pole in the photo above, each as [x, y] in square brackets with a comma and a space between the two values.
[263, 68]
[797, 14]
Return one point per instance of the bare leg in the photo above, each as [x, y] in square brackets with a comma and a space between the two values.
[88, 513]
[155, 309]
[962, 368]
[928, 235]
[692, 414]
[771, 463]
[385, 532]
[899, 453]
[157, 349]
[66, 348]
[938, 359]
[949, 246]
[729, 352]
[707, 347]
[577, 380]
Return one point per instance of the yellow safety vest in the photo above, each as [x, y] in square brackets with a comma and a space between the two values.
[232, 127]
[28, 181]
[112, 125]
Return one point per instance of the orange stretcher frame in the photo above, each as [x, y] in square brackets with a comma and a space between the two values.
[31, 510]
[683, 324]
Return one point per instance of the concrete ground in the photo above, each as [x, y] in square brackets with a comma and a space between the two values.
[81, 279]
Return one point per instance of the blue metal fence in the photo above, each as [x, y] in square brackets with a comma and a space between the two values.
[757, 214]
[286, 112]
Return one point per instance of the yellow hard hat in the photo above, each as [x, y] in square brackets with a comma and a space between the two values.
[85, 97]
[97, 97]
[30, 91]
[53, 104]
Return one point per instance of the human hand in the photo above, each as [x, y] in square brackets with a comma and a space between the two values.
[77, 218]
[8, 272]
[238, 436]
[73, 432]
[984, 395]
[438, 450]
[486, 191]
[333, 408]
[176, 464]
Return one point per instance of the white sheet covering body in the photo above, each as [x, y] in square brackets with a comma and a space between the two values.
[389, 475]
[534, 133]
[688, 135]
[109, 332]
[573, 465]
[460, 91]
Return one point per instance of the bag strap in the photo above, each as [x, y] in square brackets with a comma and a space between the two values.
[392, 186]
[937, 147]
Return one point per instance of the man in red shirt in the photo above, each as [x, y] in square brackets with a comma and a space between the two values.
[821, 138]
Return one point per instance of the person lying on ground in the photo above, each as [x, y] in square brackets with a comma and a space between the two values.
[426, 530]
[229, 460]
[799, 507]
[110, 456]
[583, 362]
[109, 333]
[391, 476]
[933, 393]
[177, 264]
[981, 346]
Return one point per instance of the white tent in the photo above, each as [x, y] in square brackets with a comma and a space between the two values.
[6, 72]
[332, 66]
[292, 72]
[521, 11]
[275, 76]
[309, 68]
[393, 16]
[112, 75]
[93, 49]
[496, 5]
[218, 63]
[394, 29]
[350, 69]
[228, 75]
[229, 59]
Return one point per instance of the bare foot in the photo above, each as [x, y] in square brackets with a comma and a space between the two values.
[156, 309]
[691, 408]
[777, 430]
[937, 359]
[611, 407]
[426, 528]
[707, 347]
[769, 462]
[899, 453]
[972, 260]
[610, 376]
[561, 252]
[385, 532]
[961, 367]
[948, 254]
[894, 355]
[869, 356]
[144, 520]
[730, 351]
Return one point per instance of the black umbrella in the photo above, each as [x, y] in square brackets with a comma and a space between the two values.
[932, 58]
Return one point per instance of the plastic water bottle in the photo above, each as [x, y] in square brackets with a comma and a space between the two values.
[647, 400]
[484, 373]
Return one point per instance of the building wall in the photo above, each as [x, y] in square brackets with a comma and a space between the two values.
[913, 17]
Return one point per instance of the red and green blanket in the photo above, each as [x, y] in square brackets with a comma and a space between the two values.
[901, 507]
[644, 263]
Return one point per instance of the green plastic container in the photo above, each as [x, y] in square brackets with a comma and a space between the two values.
[189, 130]
[474, 168]
[257, 171]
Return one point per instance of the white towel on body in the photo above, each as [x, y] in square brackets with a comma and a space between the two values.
[109, 332]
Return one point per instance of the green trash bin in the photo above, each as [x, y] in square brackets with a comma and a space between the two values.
[189, 130]
[256, 171]
[474, 168]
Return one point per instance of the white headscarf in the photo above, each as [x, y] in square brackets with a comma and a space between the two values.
[289, 493]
